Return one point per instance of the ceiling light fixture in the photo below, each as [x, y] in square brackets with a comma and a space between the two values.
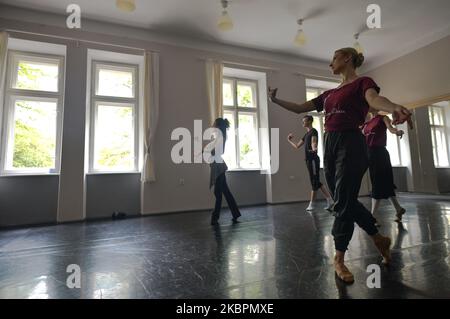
[300, 38]
[357, 45]
[126, 5]
[225, 23]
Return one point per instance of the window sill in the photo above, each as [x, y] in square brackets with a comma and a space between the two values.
[246, 170]
[112, 173]
[28, 174]
[443, 167]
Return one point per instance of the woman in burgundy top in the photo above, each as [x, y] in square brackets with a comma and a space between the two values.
[380, 167]
[345, 157]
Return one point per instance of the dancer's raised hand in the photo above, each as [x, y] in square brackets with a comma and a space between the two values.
[272, 93]
[401, 115]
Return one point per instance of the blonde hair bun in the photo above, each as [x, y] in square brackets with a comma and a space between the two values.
[359, 60]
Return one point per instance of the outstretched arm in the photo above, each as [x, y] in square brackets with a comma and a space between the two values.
[295, 145]
[391, 128]
[290, 106]
[400, 113]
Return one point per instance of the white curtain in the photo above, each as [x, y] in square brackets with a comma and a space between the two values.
[3, 53]
[151, 114]
[214, 82]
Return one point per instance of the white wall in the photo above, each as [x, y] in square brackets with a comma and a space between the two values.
[419, 75]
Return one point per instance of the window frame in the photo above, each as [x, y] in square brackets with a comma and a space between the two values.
[12, 94]
[433, 128]
[236, 110]
[96, 99]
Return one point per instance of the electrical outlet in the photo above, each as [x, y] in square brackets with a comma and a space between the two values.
[182, 181]
[292, 177]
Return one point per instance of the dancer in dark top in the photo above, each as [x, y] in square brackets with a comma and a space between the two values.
[380, 167]
[345, 158]
[310, 141]
[218, 177]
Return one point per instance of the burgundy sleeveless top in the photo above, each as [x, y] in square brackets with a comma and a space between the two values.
[375, 132]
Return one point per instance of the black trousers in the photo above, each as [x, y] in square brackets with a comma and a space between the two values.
[345, 165]
[313, 165]
[221, 188]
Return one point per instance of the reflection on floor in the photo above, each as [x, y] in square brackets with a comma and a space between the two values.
[277, 251]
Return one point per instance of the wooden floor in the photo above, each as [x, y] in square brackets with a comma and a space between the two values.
[278, 251]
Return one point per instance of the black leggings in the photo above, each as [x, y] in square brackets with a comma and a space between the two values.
[221, 187]
[345, 164]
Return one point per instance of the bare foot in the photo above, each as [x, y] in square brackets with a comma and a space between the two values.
[399, 215]
[384, 247]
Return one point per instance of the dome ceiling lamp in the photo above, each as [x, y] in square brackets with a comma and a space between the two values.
[225, 22]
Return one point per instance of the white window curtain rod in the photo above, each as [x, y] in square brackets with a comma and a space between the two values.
[12, 32]
[231, 63]
[318, 77]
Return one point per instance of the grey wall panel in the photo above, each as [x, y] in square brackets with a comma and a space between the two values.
[108, 193]
[400, 178]
[248, 188]
[71, 188]
[26, 200]
[443, 177]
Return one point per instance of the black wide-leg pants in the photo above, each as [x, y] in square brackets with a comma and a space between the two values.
[381, 174]
[345, 164]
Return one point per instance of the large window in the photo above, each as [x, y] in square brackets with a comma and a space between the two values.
[438, 135]
[114, 118]
[32, 114]
[240, 105]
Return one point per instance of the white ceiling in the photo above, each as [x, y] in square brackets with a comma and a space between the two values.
[271, 24]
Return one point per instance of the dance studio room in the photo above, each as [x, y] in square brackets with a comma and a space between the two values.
[224, 150]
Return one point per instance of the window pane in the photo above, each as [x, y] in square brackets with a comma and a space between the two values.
[228, 93]
[248, 141]
[37, 76]
[437, 116]
[229, 155]
[430, 115]
[34, 144]
[311, 94]
[433, 143]
[115, 82]
[441, 144]
[392, 147]
[246, 94]
[114, 138]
